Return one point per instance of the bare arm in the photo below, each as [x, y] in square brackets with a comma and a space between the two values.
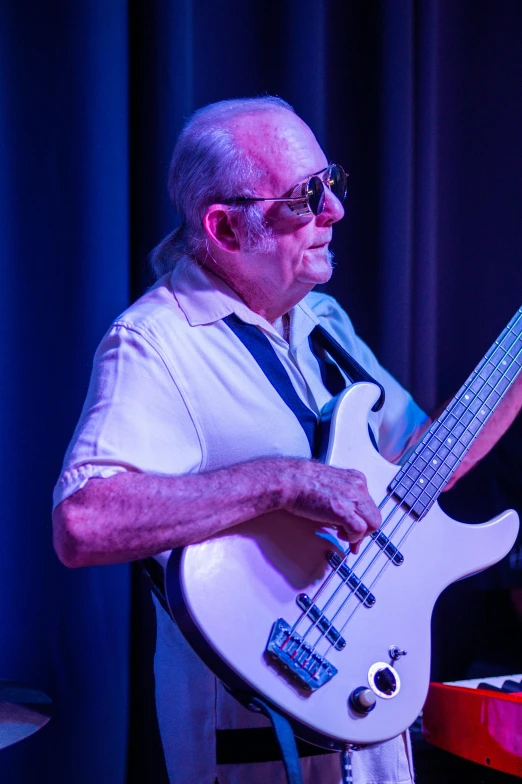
[131, 515]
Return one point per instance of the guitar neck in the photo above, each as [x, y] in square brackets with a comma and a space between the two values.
[438, 455]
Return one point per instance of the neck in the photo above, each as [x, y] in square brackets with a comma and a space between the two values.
[282, 325]
[262, 297]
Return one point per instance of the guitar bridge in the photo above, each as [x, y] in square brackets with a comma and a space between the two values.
[298, 658]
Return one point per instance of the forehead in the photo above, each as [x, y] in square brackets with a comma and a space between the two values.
[282, 146]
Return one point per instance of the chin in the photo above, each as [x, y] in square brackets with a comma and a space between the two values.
[317, 270]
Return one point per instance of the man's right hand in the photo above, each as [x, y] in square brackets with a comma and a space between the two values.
[336, 497]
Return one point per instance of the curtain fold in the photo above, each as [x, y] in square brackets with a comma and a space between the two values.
[418, 99]
[65, 273]
[409, 133]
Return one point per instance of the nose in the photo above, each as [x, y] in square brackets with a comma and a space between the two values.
[333, 210]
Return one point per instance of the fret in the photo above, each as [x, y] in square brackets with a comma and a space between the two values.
[482, 396]
[459, 409]
[512, 370]
[476, 406]
[495, 376]
[443, 431]
[499, 357]
[496, 394]
[503, 385]
[444, 472]
[421, 479]
[450, 421]
[475, 426]
[486, 370]
[406, 483]
[516, 344]
[476, 386]
[467, 417]
[429, 471]
[457, 452]
[464, 441]
[511, 357]
[443, 451]
[458, 429]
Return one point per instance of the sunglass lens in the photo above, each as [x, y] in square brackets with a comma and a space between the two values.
[338, 182]
[315, 195]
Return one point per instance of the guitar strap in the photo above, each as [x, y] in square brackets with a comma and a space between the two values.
[321, 344]
[321, 339]
[285, 738]
[264, 353]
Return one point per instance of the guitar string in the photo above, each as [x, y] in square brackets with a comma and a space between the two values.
[387, 563]
[375, 579]
[351, 591]
[358, 561]
[335, 570]
[314, 624]
[455, 401]
[476, 417]
[458, 397]
[396, 528]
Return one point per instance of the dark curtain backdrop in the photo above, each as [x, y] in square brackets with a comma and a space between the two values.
[419, 100]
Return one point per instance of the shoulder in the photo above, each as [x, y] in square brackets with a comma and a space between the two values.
[157, 307]
[155, 319]
[332, 316]
[322, 304]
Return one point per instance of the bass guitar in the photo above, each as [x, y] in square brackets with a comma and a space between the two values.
[340, 643]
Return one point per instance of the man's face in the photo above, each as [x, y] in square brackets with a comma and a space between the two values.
[287, 152]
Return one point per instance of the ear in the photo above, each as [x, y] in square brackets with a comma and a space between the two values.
[221, 227]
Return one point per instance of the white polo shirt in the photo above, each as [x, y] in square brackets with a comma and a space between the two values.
[174, 391]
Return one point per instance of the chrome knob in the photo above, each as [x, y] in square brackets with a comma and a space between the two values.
[395, 652]
[362, 700]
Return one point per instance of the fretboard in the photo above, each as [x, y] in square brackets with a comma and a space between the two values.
[423, 477]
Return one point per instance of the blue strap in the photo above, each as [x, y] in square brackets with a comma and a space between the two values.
[321, 338]
[267, 359]
[346, 766]
[286, 740]
[331, 376]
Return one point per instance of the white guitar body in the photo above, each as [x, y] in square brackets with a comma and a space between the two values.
[227, 592]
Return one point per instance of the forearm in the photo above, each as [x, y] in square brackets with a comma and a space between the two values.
[132, 515]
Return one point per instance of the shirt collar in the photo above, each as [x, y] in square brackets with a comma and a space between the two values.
[205, 298]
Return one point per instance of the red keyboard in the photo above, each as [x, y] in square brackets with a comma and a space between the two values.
[478, 720]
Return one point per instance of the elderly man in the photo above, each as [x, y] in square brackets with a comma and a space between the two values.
[183, 434]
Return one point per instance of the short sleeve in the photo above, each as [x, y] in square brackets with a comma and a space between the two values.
[134, 417]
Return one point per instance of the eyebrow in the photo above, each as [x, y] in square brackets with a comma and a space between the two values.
[314, 174]
[307, 177]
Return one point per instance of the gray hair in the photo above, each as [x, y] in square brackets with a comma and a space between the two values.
[208, 166]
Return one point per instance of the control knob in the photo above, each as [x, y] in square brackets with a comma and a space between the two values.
[385, 681]
[362, 700]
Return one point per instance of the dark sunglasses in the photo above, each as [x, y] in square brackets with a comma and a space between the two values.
[308, 196]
